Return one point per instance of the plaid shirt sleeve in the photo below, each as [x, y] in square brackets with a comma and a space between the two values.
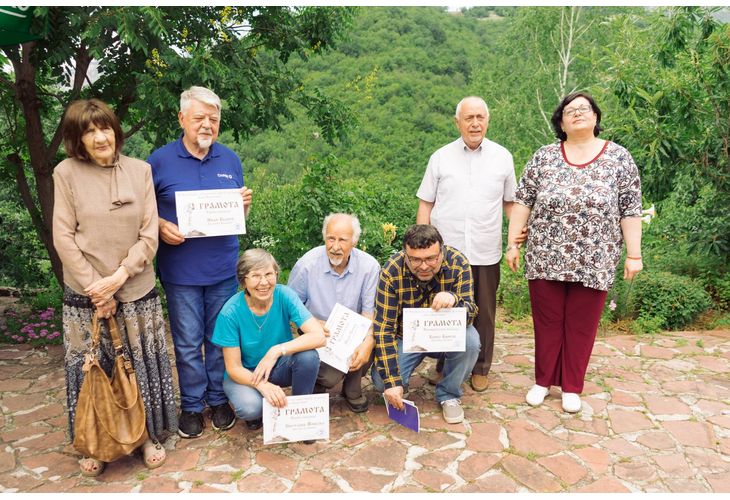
[385, 328]
[463, 288]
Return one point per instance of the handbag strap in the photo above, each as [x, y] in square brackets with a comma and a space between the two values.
[116, 338]
[116, 341]
[95, 332]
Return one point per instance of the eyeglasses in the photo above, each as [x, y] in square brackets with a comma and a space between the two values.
[580, 109]
[431, 260]
[258, 278]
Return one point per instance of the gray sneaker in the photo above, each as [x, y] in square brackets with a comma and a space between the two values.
[453, 413]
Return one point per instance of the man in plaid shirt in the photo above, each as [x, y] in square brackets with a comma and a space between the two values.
[426, 273]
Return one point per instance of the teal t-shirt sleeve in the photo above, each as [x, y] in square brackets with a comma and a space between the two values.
[226, 331]
[298, 313]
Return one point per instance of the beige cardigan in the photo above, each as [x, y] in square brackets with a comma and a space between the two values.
[103, 218]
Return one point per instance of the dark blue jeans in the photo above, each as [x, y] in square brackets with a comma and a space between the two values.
[298, 370]
[457, 367]
[193, 311]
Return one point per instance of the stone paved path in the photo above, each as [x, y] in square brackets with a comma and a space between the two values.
[655, 418]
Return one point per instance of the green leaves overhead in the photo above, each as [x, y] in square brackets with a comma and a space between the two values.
[139, 59]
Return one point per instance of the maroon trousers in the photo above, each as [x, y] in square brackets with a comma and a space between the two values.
[565, 316]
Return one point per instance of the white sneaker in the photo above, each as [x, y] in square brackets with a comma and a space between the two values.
[571, 402]
[452, 411]
[536, 395]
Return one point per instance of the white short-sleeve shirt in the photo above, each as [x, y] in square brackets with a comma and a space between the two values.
[467, 189]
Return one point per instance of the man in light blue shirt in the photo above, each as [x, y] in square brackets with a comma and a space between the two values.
[337, 272]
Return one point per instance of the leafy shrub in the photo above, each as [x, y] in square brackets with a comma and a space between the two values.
[647, 324]
[24, 261]
[49, 298]
[720, 291]
[513, 293]
[658, 295]
[287, 219]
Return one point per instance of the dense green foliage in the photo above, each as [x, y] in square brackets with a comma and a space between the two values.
[671, 301]
[660, 77]
[144, 57]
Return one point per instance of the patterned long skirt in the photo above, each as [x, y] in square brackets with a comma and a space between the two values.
[142, 330]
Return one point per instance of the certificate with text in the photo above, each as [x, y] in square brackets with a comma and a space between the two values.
[347, 330]
[303, 418]
[426, 330]
[210, 212]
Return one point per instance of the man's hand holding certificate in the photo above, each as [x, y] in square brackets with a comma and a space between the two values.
[426, 330]
[210, 212]
[347, 329]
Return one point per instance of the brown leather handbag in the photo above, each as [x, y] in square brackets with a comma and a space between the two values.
[110, 417]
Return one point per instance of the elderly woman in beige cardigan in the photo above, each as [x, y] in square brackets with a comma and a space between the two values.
[105, 232]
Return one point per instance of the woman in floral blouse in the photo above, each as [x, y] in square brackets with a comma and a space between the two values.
[581, 198]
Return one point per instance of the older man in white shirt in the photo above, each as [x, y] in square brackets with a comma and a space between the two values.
[467, 186]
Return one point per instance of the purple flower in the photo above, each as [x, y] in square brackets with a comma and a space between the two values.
[612, 305]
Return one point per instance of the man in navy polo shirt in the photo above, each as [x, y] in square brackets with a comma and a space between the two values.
[198, 274]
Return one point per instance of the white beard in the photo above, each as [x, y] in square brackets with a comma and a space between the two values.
[336, 261]
[204, 143]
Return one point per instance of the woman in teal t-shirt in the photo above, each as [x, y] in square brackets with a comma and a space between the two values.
[260, 353]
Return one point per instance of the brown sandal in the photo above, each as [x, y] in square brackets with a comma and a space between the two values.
[150, 450]
[97, 467]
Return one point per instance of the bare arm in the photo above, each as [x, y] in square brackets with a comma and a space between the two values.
[631, 230]
[423, 216]
[507, 208]
[518, 220]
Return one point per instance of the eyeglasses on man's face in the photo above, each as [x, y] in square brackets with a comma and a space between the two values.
[431, 260]
[571, 112]
[258, 278]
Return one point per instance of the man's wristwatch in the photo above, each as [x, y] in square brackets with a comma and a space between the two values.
[510, 247]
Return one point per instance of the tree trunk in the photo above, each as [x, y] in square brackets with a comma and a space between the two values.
[39, 158]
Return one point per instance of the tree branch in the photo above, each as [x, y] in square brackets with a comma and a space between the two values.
[81, 68]
[135, 128]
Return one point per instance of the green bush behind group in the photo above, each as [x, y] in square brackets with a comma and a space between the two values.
[661, 77]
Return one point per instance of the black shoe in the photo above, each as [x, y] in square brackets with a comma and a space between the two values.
[309, 441]
[254, 425]
[190, 425]
[357, 407]
[223, 417]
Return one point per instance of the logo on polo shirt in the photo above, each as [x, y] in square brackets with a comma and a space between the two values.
[226, 176]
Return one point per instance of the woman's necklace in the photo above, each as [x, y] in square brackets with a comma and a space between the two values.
[253, 318]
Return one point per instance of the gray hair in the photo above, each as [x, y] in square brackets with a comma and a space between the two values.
[458, 106]
[356, 229]
[201, 94]
[254, 258]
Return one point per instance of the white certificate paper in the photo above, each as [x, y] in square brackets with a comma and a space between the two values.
[426, 330]
[347, 331]
[210, 212]
[303, 418]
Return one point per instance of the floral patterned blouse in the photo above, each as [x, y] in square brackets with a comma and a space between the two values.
[574, 226]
